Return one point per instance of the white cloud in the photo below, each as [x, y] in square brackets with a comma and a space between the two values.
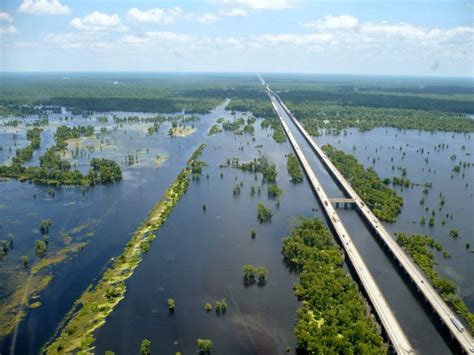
[77, 40]
[205, 19]
[233, 12]
[5, 17]
[343, 22]
[156, 15]
[26, 44]
[294, 39]
[47, 7]
[154, 37]
[8, 29]
[262, 4]
[98, 21]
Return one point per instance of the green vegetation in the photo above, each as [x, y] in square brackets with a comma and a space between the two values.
[41, 248]
[171, 305]
[454, 233]
[420, 249]
[263, 213]
[257, 165]
[145, 347]
[44, 226]
[30, 284]
[92, 308]
[384, 202]
[215, 129]
[333, 317]
[294, 168]
[204, 346]
[25, 154]
[274, 190]
[338, 108]
[250, 273]
[85, 94]
[221, 306]
[208, 307]
[12, 310]
[54, 171]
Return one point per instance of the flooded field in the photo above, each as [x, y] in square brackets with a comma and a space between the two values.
[198, 254]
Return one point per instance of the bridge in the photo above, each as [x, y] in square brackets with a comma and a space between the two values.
[448, 318]
[392, 328]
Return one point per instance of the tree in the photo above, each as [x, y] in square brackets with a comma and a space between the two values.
[171, 305]
[454, 233]
[208, 307]
[44, 225]
[248, 273]
[145, 347]
[263, 213]
[26, 260]
[204, 346]
[221, 306]
[40, 248]
[261, 273]
[253, 233]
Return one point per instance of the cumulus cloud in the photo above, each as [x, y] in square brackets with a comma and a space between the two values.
[98, 21]
[154, 37]
[233, 12]
[46, 7]
[77, 40]
[8, 30]
[344, 22]
[205, 19]
[5, 17]
[156, 15]
[261, 4]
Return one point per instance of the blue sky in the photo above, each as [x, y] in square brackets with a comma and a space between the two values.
[416, 37]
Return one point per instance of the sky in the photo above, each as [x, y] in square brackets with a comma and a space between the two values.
[396, 37]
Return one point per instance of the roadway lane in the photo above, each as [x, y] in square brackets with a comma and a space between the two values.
[445, 314]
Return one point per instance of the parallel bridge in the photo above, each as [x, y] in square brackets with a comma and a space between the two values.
[392, 328]
[448, 318]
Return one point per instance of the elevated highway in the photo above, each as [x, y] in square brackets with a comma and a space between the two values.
[392, 328]
[448, 318]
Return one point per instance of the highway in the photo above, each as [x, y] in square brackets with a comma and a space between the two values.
[459, 333]
[392, 328]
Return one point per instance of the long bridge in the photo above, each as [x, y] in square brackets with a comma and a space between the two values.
[448, 318]
[392, 328]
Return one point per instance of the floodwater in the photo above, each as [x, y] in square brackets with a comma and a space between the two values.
[198, 255]
[414, 317]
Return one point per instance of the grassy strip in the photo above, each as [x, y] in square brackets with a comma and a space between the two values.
[383, 201]
[57, 258]
[13, 310]
[92, 308]
[420, 248]
[333, 318]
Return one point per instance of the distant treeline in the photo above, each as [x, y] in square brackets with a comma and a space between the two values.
[437, 90]
[158, 105]
[354, 98]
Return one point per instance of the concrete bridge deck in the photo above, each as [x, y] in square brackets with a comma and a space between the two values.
[459, 333]
[392, 328]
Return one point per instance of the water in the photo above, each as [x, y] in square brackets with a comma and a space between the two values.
[198, 255]
[412, 314]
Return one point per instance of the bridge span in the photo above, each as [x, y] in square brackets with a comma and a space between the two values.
[392, 328]
[458, 332]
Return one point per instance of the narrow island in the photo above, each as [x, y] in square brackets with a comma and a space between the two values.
[92, 308]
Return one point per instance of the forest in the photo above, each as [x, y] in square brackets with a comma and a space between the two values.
[55, 171]
[383, 201]
[420, 248]
[332, 318]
